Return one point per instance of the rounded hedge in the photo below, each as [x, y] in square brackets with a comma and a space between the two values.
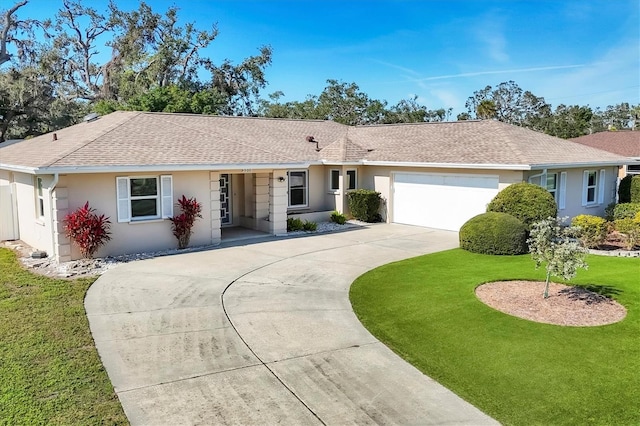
[634, 191]
[528, 202]
[624, 189]
[494, 233]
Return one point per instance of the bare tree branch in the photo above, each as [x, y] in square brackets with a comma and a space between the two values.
[8, 24]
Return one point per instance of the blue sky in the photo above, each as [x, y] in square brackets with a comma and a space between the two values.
[571, 52]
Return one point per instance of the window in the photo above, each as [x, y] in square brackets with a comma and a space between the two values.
[555, 183]
[633, 169]
[39, 198]
[334, 180]
[144, 198]
[298, 188]
[552, 185]
[352, 181]
[591, 184]
[593, 187]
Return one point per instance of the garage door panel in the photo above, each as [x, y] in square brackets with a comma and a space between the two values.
[441, 201]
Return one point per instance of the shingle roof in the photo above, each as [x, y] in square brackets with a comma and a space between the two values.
[471, 142]
[137, 139]
[621, 142]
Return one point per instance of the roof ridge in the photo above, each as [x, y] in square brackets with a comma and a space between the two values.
[242, 117]
[502, 129]
[67, 153]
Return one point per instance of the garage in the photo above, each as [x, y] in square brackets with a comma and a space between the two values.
[438, 200]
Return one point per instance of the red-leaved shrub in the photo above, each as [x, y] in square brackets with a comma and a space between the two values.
[87, 230]
[182, 223]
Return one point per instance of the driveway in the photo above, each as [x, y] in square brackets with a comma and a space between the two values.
[264, 333]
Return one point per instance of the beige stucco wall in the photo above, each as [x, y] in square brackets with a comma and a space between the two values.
[574, 190]
[35, 232]
[379, 178]
[319, 196]
[135, 237]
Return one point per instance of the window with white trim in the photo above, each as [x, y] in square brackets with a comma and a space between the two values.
[633, 169]
[352, 179]
[144, 197]
[298, 188]
[593, 187]
[39, 198]
[552, 185]
[334, 180]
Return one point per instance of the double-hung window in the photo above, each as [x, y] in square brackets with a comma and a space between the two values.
[555, 183]
[552, 185]
[39, 198]
[144, 198]
[352, 179]
[298, 188]
[593, 187]
[334, 180]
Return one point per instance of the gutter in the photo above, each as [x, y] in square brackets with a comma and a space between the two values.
[448, 165]
[579, 165]
[246, 167]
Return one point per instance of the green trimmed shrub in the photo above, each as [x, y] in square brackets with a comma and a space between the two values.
[608, 212]
[592, 230]
[626, 210]
[630, 228]
[494, 233]
[309, 226]
[364, 205]
[528, 202]
[624, 189]
[338, 218]
[294, 224]
[635, 189]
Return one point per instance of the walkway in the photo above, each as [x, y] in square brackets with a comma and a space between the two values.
[264, 333]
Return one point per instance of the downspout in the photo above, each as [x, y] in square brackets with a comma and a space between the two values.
[544, 172]
[52, 187]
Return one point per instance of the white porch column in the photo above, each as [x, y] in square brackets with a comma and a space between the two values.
[60, 208]
[214, 187]
[278, 202]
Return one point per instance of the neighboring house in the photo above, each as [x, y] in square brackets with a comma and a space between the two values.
[257, 172]
[621, 142]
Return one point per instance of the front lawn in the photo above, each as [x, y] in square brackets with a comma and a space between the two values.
[50, 372]
[517, 371]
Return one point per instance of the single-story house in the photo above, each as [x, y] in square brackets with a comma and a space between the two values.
[257, 172]
[621, 142]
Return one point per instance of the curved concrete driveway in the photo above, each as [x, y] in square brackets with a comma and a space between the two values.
[264, 333]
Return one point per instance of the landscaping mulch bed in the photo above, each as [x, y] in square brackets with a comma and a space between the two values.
[566, 305]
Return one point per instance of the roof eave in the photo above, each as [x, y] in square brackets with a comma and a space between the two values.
[20, 169]
[246, 167]
[580, 164]
[490, 166]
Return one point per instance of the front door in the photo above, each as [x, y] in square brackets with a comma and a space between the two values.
[225, 199]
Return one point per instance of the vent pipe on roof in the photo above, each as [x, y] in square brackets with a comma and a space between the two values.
[91, 117]
[312, 140]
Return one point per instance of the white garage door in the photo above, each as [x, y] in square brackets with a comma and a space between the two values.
[440, 201]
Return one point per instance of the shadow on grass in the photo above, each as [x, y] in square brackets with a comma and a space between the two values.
[591, 293]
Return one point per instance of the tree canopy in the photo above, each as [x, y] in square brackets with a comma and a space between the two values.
[52, 72]
[156, 62]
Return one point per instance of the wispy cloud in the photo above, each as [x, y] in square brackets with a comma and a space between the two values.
[398, 67]
[489, 33]
[505, 71]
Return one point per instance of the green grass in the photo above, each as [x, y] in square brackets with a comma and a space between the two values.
[518, 371]
[50, 372]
